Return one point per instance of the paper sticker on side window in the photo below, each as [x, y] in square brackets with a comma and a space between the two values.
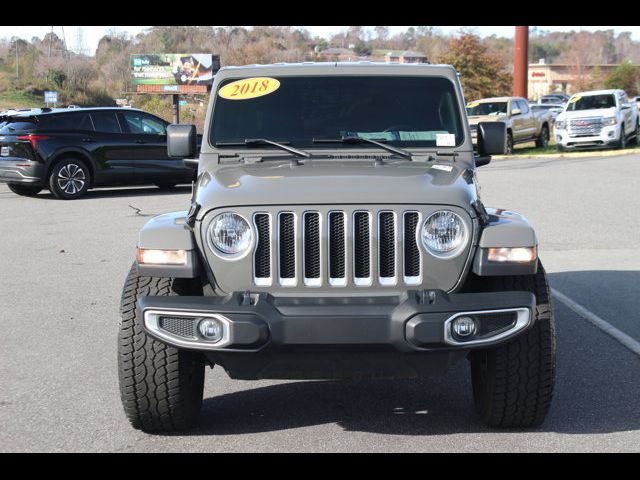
[4, 152]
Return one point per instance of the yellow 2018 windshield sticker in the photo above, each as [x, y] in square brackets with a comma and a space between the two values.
[249, 88]
[575, 99]
[474, 104]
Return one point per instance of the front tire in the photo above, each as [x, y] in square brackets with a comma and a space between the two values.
[543, 139]
[69, 179]
[636, 137]
[509, 144]
[513, 383]
[24, 190]
[622, 143]
[161, 387]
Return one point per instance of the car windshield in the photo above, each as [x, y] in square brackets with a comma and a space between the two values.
[404, 111]
[591, 102]
[486, 108]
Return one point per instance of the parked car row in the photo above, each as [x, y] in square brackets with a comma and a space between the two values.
[593, 119]
[71, 150]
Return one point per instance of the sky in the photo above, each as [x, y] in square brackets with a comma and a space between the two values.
[91, 35]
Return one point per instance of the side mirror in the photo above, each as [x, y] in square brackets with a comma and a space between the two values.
[516, 111]
[492, 140]
[626, 106]
[181, 141]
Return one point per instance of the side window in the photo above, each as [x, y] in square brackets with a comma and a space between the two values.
[140, 123]
[65, 122]
[106, 122]
[522, 105]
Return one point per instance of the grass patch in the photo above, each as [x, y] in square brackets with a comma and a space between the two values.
[19, 99]
[529, 150]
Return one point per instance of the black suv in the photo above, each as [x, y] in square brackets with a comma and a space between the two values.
[72, 150]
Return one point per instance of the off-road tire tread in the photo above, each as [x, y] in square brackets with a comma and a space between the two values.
[161, 387]
[521, 374]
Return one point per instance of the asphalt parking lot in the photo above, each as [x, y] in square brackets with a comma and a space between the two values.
[63, 264]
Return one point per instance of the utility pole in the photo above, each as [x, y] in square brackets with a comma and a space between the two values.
[520, 62]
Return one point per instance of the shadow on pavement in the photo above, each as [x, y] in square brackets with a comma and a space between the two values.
[597, 391]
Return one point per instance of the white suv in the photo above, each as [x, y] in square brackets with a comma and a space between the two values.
[598, 118]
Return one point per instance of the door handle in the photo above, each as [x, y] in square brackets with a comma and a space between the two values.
[140, 141]
[88, 140]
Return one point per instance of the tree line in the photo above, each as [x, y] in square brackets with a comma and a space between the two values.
[485, 64]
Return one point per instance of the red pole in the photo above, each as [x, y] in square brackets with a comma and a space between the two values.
[520, 62]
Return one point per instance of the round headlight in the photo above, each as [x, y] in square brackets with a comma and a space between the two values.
[230, 234]
[444, 234]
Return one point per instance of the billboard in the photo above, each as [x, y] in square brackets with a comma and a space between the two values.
[173, 72]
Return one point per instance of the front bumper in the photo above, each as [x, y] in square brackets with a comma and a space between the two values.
[20, 170]
[264, 327]
[609, 135]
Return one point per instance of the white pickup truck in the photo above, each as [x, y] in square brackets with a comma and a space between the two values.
[597, 119]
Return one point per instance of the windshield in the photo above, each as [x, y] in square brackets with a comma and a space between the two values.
[487, 108]
[591, 102]
[404, 111]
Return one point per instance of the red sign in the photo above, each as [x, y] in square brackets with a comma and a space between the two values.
[538, 74]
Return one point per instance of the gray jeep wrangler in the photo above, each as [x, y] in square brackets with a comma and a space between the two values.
[336, 231]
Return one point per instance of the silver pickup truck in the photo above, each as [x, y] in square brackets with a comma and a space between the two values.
[336, 231]
[523, 123]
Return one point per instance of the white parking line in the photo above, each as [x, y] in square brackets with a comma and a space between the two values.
[603, 325]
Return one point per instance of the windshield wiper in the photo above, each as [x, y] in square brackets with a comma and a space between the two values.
[254, 142]
[388, 148]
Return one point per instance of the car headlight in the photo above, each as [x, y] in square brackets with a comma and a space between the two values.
[560, 124]
[444, 234]
[230, 234]
[609, 121]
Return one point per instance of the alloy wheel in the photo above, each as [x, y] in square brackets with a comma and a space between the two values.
[71, 178]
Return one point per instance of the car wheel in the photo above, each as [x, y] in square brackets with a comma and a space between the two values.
[161, 387]
[636, 137]
[543, 139]
[24, 190]
[513, 383]
[622, 143]
[69, 179]
[509, 144]
[560, 148]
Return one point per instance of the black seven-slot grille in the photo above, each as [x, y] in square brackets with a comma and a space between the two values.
[337, 248]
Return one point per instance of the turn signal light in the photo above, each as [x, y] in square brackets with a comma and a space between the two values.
[161, 257]
[519, 254]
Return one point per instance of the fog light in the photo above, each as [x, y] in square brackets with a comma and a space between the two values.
[210, 329]
[464, 327]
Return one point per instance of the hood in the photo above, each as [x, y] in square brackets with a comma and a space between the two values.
[327, 182]
[595, 112]
[475, 119]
